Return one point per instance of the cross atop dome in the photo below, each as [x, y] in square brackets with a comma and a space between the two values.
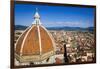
[37, 18]
[36, 14]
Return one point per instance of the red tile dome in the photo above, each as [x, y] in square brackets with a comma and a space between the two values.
[35, 44]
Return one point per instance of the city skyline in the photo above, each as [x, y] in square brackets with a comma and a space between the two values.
[55, 16]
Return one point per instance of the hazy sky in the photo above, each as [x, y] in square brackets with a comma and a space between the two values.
[52, 16]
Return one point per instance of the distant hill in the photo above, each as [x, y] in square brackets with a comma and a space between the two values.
[71, 28]
[21, 27]
[90, 28]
